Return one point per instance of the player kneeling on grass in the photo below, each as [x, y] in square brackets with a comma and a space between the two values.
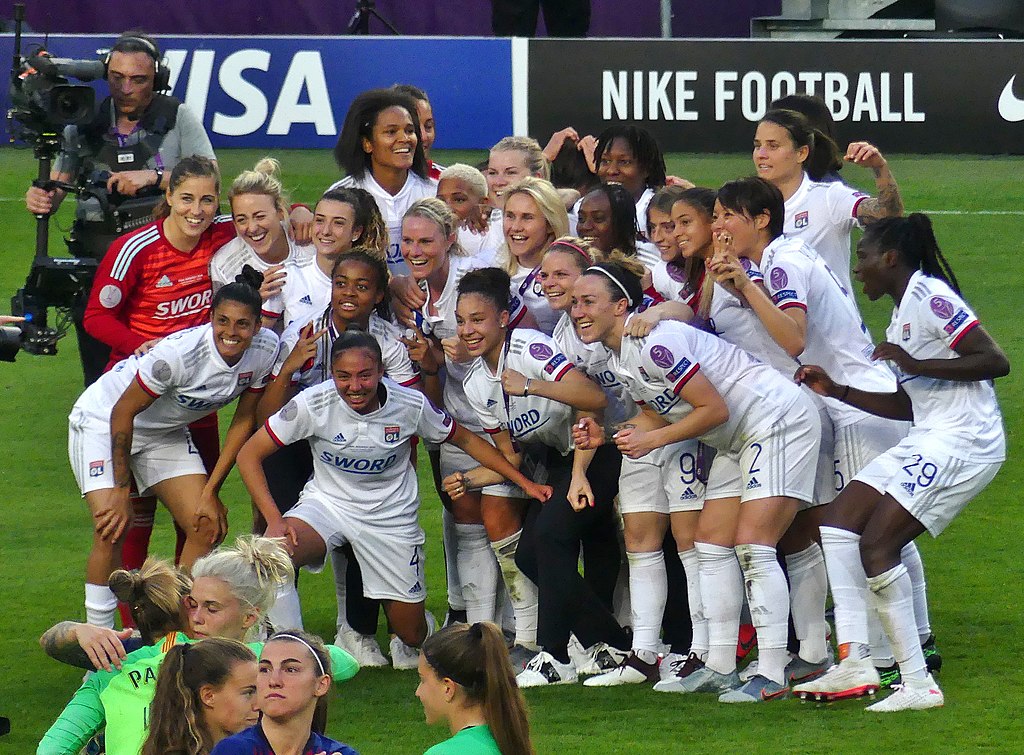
[363, 490]
[945, 363]
[145, 437]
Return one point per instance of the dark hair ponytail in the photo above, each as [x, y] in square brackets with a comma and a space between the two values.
[914, 241]
[823, 154]
[475, 658]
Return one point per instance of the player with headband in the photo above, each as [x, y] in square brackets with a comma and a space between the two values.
[645, 512]
[766, 431]
[524, 392]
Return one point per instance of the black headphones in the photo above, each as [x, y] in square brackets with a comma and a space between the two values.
[162, 77]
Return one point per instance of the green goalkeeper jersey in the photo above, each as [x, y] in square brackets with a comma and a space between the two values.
[120, 700]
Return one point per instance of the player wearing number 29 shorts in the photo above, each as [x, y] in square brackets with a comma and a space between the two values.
[945, 364]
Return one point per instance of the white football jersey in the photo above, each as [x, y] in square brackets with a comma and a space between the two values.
[837, 340]
[928, 323]
[228, 261]
[669, 280]
[397, 364]
[823, 214]
[655, 368]
[361, 461]
[306, 287]
[593, 360]
[483, 247]
[527, 286]
[732, 319]
[187, 376]
[392, 208]
[641, 212]
[529, 419]
[648, 254]
[441, 324]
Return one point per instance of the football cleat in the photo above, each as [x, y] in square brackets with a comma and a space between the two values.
[600, 658]
[852, 677]
[678, 673]
[701, 679]
[760, 689]
[362, 647]
[631, 670]
[403, 657]
[519, 656]
[671, 663]
[544, 669]
[911, 695]
[932, 656]
[799, 671]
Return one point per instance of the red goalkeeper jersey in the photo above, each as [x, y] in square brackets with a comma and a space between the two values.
[145, 288]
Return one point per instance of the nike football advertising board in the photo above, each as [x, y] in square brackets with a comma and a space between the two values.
[698, 95]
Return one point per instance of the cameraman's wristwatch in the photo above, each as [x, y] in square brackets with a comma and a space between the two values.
[159, 176]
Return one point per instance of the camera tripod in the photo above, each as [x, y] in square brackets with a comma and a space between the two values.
[360, 22]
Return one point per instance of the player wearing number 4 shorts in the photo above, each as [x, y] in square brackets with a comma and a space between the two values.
[945, 364]
[363, 490]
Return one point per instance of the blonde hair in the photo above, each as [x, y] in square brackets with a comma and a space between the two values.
[533, 155]
[263, 178]
[154, 594]
[441, 215]
[253, 569]
[545, 196]
[469, 175]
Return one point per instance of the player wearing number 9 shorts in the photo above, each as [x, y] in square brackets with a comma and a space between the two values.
[661, 488]
[945, 364]
[694, 385]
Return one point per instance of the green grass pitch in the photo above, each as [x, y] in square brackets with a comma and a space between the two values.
[974, 571]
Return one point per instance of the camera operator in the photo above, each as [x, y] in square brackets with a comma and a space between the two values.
[129, 149]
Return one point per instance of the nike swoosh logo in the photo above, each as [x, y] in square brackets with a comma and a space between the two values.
[1011, 107]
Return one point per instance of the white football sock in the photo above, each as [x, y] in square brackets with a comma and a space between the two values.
[721, 586]
[100, 605]
[521, 590]
[768, 597]
[881, 650]
[892, 595]
[849, 584]
[808, 590]
[478, 571]
[339, 565]
[648, 591]
[451, 561]
[691, 565]
[286, 613]
[911, 558]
